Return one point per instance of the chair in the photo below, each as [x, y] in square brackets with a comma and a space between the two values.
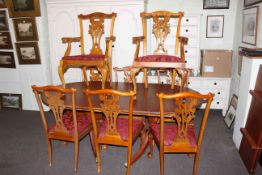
[113, 130]
[98, 59]
[160, 28]
[68, 125]
[179, 136]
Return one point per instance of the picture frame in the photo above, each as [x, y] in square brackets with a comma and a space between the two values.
[5, 40]
[231, 112]
[18, 8]
[11, 101]
[250, 23]
[25, 29]
[3, 20]
[239, 61]
[216, 4]
[215, 26]
[28, 53]
[7, 60]
[2, 4]
[251, 2]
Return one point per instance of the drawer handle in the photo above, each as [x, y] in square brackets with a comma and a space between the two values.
[188, 82]
[79, 45]
[113, 45]
[215, 83]
[218, 93]
[185, 51]
[185, 61]
[186, 30]
[187, 20]
[218, 102]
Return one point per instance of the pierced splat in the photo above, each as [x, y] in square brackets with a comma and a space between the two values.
[56, 104]
[110, 108]
[184, 113]
[96, 30]
[161, 28]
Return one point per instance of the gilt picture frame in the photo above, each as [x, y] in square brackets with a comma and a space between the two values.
[23, 8]
[25, 29]
[28, 53]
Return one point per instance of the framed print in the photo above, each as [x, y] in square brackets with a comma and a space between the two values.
[250, 23]
[231, 112]
[23, 8]
[251, 2]
[215, 26]
[28, 53]
[3, 20]
[216, 4]
[2, 4]
[13, 101]
[7, 60]
[5, 40]
[25, 29]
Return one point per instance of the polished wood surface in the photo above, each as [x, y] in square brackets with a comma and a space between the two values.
[146, 103]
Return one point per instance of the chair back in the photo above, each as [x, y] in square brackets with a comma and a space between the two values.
[110, 103]
[185, 105]
[96, 28]
[161, 24]
[54, 98]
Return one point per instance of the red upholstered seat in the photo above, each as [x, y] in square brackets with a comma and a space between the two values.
[170, 132]
[158, 58]
[122, 128]
[84, 122]
[85, 57]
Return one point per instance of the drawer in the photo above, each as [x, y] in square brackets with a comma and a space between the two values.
[219, 93]
[213, 84]
[190, 20]
[189, 31]
[191, 62]
[190, 52]
[193, 83]
[216, 104]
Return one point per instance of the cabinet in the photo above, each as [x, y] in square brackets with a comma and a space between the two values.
[219, 86]
[63, 21]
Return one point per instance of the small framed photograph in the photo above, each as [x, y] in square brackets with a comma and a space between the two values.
[3, 20]
[251, 2]
[25, 29]
[28, 53]
[250, 23]
[2, 4]
[13, 101]
[5, 40]
[231, 112]
[7, 60]
[215, 26]
[23, 8]
[216, 4]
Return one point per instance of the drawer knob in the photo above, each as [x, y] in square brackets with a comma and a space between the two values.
[187, 20]
[218, 93]
[215, 83]
[185, 51]
[186, 30]
[188, 82]
[218, 102]
[185, 61]
[113, 45]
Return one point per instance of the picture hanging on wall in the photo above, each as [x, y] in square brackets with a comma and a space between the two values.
[7, 60]
[2, 4]
[3, 20]
[216, 4]
[19, 8]
[5, 40]
[28, 53]
[250, 23]
[215, 26]
[251, 2]
[13, 101]
[25, 29]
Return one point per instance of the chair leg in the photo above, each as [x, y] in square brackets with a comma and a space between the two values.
[98, 159]
[76, 155]
[61, 73]
[84, 75]
[173, 78]
[196, 163]
[49, 145]
[104, 75]
[93, 143]
[129, 155]
[161, 157]
[151, 146]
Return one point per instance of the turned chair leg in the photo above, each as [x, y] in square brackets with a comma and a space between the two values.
[129, 155]
[196, 163]
[61, 74]
[161, 157]
[49, 145]
[76, 155]
[151, 146]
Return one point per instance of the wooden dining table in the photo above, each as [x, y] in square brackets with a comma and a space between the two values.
[146, 103]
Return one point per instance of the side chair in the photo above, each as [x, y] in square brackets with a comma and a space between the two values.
[96, 58]
[179, 136]
[68, 125]
[114, 129]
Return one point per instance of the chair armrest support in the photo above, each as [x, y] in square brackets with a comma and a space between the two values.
[183, 41]
[137, 40]
[69, 40]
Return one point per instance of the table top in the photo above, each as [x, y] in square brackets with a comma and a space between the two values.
[146, 103]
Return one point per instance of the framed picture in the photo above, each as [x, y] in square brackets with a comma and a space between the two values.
[3, 20]
[216, 4]
[2, 4]
[13, 101]
[215, 26]
[250, 23]
[23, 8]
[5, 40]
[240, 60]
[25, 29]
[28, 53]
[251, 2]
[231, 112]
[7, 60]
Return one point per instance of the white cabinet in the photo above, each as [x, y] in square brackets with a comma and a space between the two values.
[219, 86]
[63, 21]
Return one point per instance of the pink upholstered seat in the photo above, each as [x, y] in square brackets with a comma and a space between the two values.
[158, 58]
[122, 128]
[84, 122]
[170, 132]
[85, 57]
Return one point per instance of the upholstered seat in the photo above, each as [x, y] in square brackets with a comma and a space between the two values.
[85, 57]
[159, 58]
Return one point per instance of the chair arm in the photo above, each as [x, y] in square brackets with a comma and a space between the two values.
[183, 39]
[69, 40]
[111, 38]
[109, 41]
[137, 40]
